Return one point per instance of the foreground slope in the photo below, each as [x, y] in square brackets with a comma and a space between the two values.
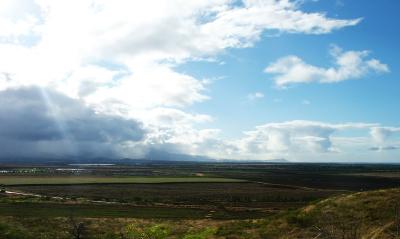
[372, 214]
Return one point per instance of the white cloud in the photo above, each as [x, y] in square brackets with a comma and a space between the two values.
[131, 33]
[18, 19]
[381, 135]
[151, 87]
[171, 116]
[241, 26]
[348, 65]
[10, 29]
[301, 140]
[255, 96]
[292, 137]
[118, 59]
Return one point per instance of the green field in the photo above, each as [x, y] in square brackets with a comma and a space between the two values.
[95, 211]
[53, 210]
[32, 180]
[394, 175]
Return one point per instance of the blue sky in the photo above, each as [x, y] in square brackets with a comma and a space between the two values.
[371, 99]
[253, 79]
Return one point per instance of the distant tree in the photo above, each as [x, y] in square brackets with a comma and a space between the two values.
[396, 223]
[77, 229]
[2, 188]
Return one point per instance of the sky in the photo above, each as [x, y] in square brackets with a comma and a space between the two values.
[301, 80]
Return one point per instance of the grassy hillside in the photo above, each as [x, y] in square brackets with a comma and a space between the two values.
[374, 214]
[369, 215]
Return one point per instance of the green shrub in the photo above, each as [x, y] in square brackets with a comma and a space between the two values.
[13, 232]
[152, 232]
[204, 234]
[300, 219]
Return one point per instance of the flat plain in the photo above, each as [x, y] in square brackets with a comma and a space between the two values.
[214, 195]
[73, 180]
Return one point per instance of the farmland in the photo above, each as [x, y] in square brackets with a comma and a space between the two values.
[21, 180]
[215, 195]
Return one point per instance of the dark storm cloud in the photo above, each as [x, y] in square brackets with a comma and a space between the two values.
[33, 118]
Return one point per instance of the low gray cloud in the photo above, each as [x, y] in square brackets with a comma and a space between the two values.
[36, 121]
[386, 148]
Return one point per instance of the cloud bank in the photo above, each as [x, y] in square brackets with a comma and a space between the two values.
[36, 117]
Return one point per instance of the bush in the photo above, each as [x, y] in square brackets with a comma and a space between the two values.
[204, 234]
[153, 232]
[13, 232]
[300, 219]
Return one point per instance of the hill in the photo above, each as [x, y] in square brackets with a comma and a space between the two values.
[362, 215]
[372, 215]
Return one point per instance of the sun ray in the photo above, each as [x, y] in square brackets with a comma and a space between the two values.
[57, 115]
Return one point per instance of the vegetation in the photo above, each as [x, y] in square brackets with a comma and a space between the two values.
[249, 202]
[373, 214]
[50, 180]
[246, 194]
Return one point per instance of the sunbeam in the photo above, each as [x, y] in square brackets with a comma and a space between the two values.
[57, 115]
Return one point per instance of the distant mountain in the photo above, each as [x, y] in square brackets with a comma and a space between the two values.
[154, 156]
[253, 160]
[158, 155]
